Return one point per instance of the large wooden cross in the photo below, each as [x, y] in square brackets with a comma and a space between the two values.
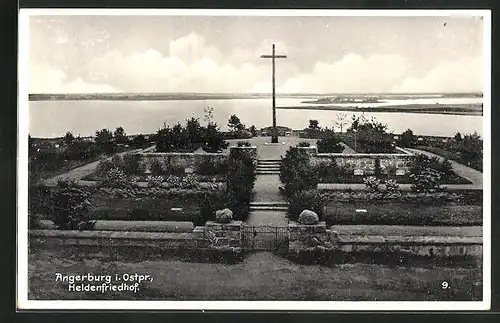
[274, 137]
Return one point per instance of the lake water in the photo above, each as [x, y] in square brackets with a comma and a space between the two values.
[54, 118]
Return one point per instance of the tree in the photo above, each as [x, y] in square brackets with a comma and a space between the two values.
[68, 138]
[235, 124]
[458, 137]
[314, 124]
[139, 141]
[193, 130]
[471, 151]
[213, 139]
[407, 139]
[120, 136]
[340, 121]
[329, 144]
[104, 140]
[209, 115]
[371, 136]
[253, 130]
[103, 136]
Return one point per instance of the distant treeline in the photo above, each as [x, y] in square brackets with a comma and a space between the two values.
[213, 96]
[460, 109]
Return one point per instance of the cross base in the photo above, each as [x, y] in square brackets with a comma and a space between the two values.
[274, 139]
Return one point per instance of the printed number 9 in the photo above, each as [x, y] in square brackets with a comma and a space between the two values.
[444, 285]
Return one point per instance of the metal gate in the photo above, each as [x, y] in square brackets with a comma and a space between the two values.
[265, 238]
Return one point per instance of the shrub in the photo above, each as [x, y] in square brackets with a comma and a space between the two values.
[304, 144]
[182, 182]
[131, 163]
[426, 180]
[392, 186]
[312, 200]
[244, 144]
[330, 144]
[296, 173]
[212, 167]
[330, 171]
[69, 203]
[240, 182]
[175, 167]
[372, 183]
[154, 181]
[117, 161]
[213, 139]
[114, 178]
[209, 203]
[103, 168]
[156, 167]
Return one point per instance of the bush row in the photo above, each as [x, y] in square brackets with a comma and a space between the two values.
[240, 181]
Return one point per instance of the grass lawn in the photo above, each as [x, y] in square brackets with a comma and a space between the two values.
[439, 151]
[107, 208]
[260, 276]
[40, 173]
[395, 213]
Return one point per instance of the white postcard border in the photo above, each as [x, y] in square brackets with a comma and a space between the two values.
[22, 181]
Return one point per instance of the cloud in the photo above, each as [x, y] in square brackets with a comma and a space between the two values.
[46, 79]
[192, 65]
[352, 73]
[465, 75]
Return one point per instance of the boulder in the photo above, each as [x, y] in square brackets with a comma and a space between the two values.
[308, 217]
[224, 216]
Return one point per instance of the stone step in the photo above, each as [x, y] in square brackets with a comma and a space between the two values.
[267, 168]
[269, 208]
[270, 203]
[269, 165]
[269, 160]
[261, 162]
[267, 172]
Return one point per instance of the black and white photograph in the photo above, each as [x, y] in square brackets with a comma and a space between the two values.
[254, 159]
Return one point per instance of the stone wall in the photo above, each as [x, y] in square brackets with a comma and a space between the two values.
[106, 239]
[428, 246]
[223, 236]
[364, 164]
[184, 160]
[310, 237]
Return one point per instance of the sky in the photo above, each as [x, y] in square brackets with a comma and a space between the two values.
[221, 54]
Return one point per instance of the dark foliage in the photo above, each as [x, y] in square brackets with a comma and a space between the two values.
[131, 163]
[240, 182]
[212, 167]
[329, 144]
[69, 203]
[244, 144]
[296, 173]
[407, 139]
[311, 200]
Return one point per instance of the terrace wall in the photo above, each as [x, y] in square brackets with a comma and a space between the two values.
[191, 160]
[186, 160]
[400, 163]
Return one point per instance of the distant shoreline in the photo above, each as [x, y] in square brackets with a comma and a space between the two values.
[450, 109]
[226, 96]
